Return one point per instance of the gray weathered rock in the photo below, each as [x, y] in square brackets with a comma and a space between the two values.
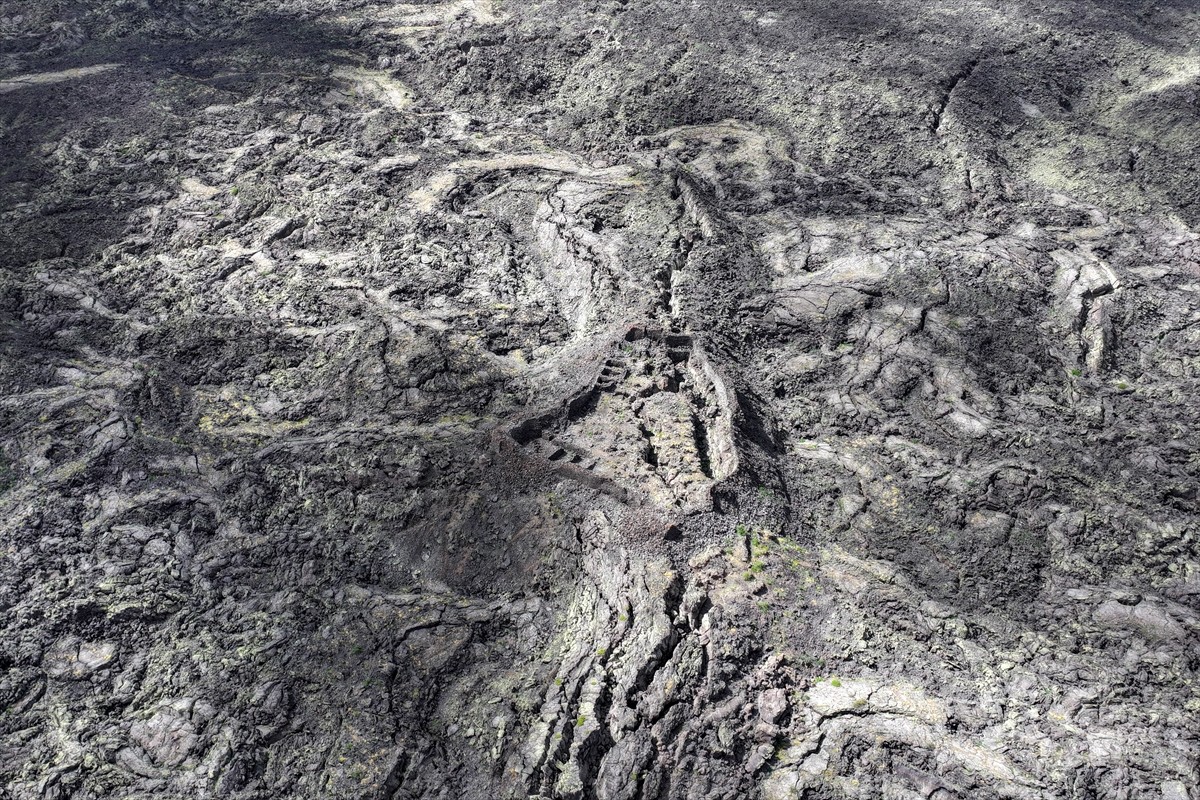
[617, 401]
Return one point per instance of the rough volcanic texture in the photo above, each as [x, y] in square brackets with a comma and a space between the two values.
[630, 399]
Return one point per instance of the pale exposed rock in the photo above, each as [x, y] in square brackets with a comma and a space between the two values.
[772, 704]
[168, 736]
[1145, 618]
[73, 659]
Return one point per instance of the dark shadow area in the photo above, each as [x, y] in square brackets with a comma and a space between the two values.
[72, 201]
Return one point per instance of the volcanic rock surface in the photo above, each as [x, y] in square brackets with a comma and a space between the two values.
[599, 400]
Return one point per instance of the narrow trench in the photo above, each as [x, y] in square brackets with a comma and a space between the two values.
[951, 85]
[700, 437]
[541, 782]
[648, 452]
[593, 749]
[670, 299]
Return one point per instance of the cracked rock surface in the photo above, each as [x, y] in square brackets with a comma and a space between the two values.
[599, 401]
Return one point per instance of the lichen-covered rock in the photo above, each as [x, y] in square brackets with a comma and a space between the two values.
[612, 401]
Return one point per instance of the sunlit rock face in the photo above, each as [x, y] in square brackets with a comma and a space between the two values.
[623, 401]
